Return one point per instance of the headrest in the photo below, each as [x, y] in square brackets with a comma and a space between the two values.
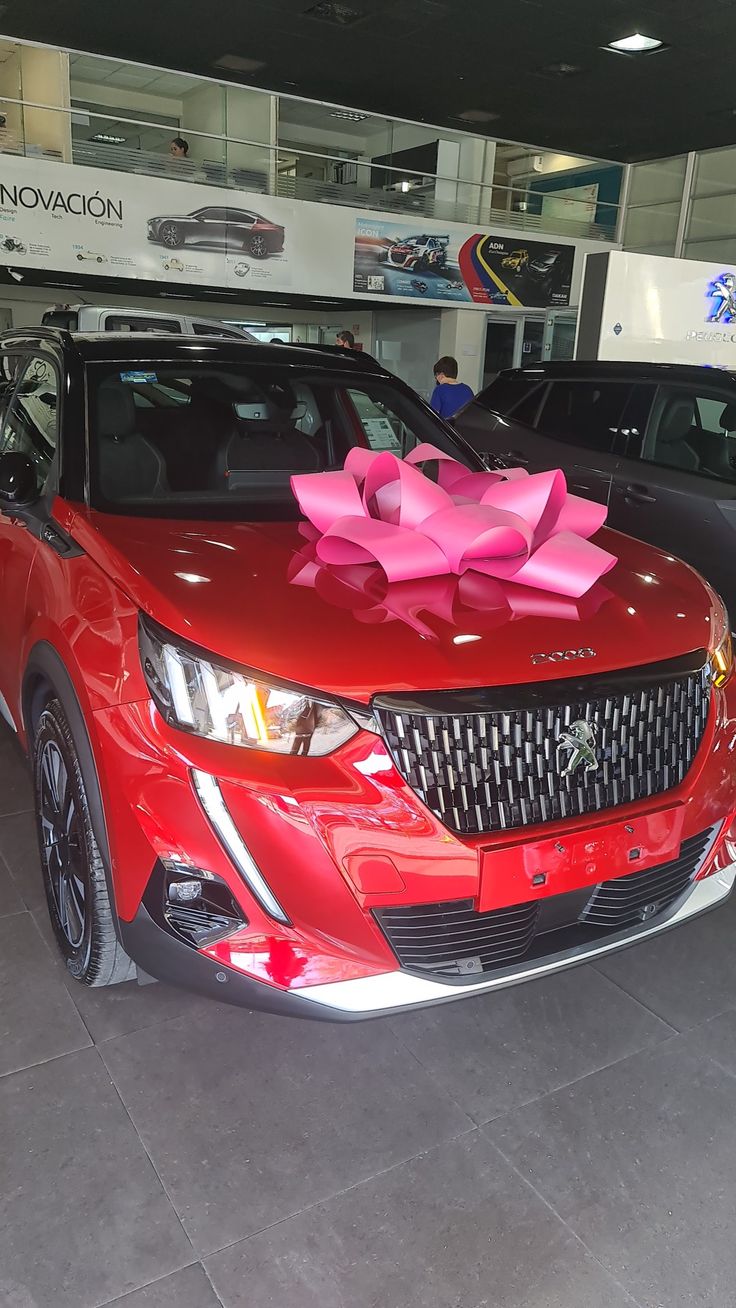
[677, 419]
[115, 411]
[728, 417]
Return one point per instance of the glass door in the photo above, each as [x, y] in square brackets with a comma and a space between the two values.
[559, 335]
[500, 351]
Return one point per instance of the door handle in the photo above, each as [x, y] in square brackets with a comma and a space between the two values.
[516, 456]
[639, 495]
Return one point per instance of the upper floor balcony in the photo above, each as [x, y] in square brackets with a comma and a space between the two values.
[85, 109]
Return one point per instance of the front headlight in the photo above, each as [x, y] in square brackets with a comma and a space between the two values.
[221, 703]
[721, 660]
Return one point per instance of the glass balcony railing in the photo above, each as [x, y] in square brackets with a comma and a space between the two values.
[239, 164]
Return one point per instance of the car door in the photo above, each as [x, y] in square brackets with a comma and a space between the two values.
[572, 423]
[680, 492]
[239, 225]
[212, 226]
[29, 425]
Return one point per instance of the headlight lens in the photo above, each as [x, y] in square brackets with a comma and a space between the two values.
[721, 660]
[215, 701]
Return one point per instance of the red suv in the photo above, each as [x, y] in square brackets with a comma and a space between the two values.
[294, 793]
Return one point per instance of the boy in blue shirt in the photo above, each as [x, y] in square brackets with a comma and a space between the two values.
[449, 394]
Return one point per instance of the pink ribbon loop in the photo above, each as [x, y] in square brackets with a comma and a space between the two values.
[512, 526]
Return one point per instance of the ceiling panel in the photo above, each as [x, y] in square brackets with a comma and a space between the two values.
[432, 59]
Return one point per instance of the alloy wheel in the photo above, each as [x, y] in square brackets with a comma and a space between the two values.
[63, 845]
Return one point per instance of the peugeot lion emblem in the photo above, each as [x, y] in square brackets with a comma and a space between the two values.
[576, 748]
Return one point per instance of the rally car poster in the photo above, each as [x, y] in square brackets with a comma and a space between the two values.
[452, 266]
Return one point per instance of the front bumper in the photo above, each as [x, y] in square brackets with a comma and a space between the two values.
[387, 992]
[339, 839]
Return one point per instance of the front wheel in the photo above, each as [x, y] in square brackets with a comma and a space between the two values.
[73, 872]
[172, 236]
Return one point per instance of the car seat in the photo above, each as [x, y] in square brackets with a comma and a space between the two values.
[130, 467]
[675, 428]
[265, 446]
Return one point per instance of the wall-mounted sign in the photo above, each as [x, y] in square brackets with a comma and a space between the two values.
[459, 265]
[66, 218]
[643, 307]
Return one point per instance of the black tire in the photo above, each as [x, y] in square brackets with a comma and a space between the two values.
[171, 236]
[258, 246]
[71, 864]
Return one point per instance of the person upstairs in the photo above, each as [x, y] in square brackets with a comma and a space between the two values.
[449, 394]
[178, 148]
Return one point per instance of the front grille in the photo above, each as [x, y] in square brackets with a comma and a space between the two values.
[451, 939]
[484, 769]
[642, 895]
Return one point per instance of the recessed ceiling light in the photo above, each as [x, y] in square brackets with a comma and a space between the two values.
[349, 115]
[239, 64]
[477, 116]
[109, 140]
[636, 44]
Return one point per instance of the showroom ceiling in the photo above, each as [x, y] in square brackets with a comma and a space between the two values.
[536, 66]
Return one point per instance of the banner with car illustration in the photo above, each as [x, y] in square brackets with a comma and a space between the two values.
[86, 220]
[68, 218]
[395, 259]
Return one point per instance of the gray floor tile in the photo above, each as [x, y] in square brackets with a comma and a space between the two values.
[453, 1228]
[38, 1020]
[19, 850]
[716, 1040]
[15, 784]
[189, 1288]
[83, 1216]
[497, 1052]
[248, 1118]
[640, 1159]
[687, 975]
[10, 900]
[110, 1011]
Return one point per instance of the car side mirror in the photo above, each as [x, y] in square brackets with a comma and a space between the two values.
[18, 480]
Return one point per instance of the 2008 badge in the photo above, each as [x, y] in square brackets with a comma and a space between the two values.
[564, 655]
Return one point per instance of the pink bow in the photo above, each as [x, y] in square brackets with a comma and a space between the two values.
[512, 526]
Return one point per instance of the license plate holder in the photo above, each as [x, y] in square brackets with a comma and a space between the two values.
[555, 865]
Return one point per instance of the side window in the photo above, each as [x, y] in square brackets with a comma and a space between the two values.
[238, 216]
[139, 323]
[214, 329]
[509, 391]
[383, 429]
[586, 413]
[31, 423]
[694, 431]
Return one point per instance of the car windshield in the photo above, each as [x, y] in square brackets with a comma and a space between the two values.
[171, 440]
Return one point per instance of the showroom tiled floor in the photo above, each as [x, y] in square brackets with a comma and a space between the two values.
[568, 1144]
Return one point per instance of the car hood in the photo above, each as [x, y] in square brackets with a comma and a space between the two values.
[248, 593]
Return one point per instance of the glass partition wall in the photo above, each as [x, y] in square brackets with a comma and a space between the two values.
[105, 113]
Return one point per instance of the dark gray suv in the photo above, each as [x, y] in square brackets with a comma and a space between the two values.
[656, 442]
